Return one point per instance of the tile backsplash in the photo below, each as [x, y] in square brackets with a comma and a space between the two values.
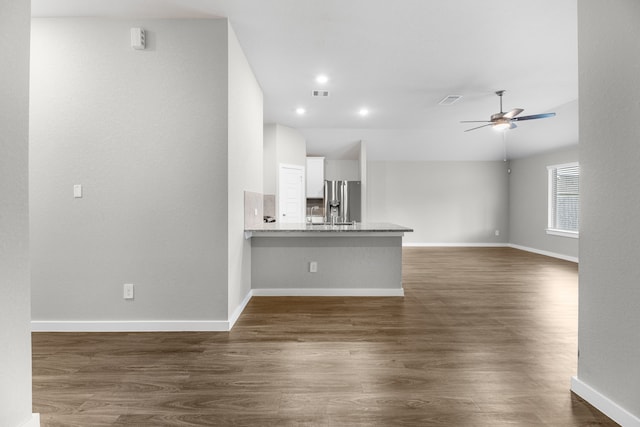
[253, 209]
[256, 207]
[270, 205]
[316, 206]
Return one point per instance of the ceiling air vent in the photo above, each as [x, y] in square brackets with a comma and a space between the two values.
[320, 93]
[449, 100]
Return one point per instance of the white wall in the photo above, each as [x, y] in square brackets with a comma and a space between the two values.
[270, 159]
[282, 145]
[362, 158]
[528, 204]
[609, 318]
[444, 202]
[245, 167]
[145, 133]
[292, 147]
[342, 170]
[15, 328]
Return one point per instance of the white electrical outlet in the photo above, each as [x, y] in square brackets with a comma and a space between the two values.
[497, 232]
[128, 291]
[313, 267]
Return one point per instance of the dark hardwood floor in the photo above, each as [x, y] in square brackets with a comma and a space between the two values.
[483, 337]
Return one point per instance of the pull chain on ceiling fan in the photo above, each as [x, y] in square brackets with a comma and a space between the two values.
[503, 121]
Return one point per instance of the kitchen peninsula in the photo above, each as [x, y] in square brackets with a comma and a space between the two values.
[364, 259]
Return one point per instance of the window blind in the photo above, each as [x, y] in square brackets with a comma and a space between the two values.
[564, 200]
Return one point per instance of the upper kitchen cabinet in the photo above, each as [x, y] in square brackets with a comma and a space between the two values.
[315, 177]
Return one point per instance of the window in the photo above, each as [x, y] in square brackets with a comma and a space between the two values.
[564, 199]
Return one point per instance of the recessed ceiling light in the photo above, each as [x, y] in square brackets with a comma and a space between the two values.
[322, 79]
[363, 112]
[300, 111]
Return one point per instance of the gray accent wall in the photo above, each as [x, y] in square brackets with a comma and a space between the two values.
[365, 263]
[444, 202]
[609, 314]
[528, 204]
[155, 140]
[15, 328]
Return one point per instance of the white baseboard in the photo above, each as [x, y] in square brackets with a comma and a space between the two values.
[131, 326]
[199, 325]
[142, 325]
[34, 421]
[328, 292]
[238, 311]
[546, 253]
[604, 404]
[454, 245]
[491, 245]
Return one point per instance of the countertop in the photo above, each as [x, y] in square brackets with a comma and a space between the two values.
[275, 229]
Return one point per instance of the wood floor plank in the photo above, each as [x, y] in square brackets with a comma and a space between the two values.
[483, 337]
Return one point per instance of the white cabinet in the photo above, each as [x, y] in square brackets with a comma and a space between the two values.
[315, 177]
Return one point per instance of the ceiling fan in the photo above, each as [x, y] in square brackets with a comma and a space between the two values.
[503, 121]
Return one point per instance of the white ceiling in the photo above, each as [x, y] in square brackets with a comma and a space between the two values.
[398, 58]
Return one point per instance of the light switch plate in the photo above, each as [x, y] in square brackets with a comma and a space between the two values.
[77, 191]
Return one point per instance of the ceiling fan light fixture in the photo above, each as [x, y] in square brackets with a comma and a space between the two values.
[506, 120]
[502, 125]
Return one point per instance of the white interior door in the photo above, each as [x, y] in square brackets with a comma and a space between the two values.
[291, 193]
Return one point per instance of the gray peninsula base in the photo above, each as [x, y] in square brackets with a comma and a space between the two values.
[363, 263]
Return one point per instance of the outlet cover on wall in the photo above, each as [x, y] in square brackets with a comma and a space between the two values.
[128, 291]
[313, 267]
[77, 191]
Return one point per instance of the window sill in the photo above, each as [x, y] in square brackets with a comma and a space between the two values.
[563, 233]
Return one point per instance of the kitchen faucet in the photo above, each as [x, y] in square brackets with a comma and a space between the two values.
[310, 214]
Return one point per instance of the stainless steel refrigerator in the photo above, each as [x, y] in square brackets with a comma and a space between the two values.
[342, 199]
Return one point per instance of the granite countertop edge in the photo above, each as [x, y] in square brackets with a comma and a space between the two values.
[322, 228]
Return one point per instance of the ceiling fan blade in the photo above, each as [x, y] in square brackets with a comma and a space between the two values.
[476, 121]
[488, 124]
[534, 116]
[511, 114]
